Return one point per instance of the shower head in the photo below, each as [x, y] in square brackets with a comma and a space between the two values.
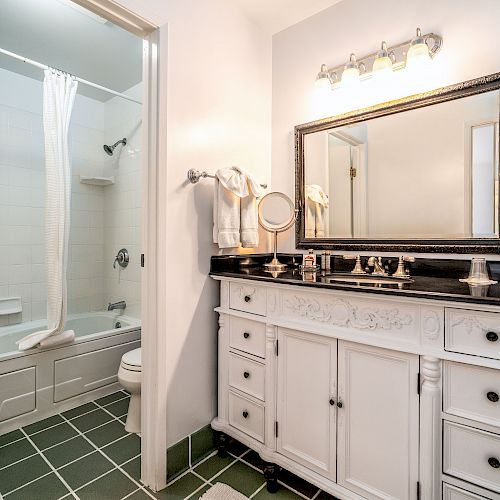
[109, 149]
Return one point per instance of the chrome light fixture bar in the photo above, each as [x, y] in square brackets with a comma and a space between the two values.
[399, 55]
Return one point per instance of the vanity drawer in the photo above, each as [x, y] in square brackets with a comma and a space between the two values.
[472, 392]
[247, 336]
[453, 493]
[472, 455]
[247, 298]
[246, 375]
[246, 416]
[473, 332]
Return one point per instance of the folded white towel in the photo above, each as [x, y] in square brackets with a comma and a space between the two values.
[235, 209]
[316, 202]
[61, 338]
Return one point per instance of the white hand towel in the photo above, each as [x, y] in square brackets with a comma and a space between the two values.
[235, 209]
[310, 217]
[226, 217]
[61, 338]
[316, 202]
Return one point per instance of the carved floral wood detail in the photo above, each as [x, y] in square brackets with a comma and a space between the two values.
[341, 312]
[469, 323]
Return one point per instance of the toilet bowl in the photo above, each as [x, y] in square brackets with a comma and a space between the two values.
[129, 376]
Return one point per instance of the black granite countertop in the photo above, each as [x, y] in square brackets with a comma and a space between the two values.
[436, 279]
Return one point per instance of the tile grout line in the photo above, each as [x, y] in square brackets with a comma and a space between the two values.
[49, 464]
[258, 490]
[131, 493]
[317, 494]
[19, 461]
[29, 482]
[12, 442]
[109, 413]
[105, 456]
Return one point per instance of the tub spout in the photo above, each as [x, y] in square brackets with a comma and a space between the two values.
[117, 305]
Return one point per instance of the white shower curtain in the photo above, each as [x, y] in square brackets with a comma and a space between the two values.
[59, 90]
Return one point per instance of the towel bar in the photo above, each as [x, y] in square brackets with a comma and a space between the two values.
[194, 176]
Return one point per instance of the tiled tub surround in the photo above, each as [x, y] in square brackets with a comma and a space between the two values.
[404, 383]
[40, 382]
[86, 453]
[103, 219]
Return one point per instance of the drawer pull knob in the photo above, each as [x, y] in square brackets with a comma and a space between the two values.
[339, 404]
[492, 336]
[332, 402]
[246, 334]
[246, 374]
[245, 414]
[248, 298]
[494, 462]
[492, 396]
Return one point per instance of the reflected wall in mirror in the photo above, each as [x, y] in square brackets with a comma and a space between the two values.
[419, 171]
[426, 173]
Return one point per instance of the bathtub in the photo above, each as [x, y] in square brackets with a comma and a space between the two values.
[38, 383]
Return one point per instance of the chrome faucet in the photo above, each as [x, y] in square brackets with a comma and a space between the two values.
[117, 305]
[378, 268]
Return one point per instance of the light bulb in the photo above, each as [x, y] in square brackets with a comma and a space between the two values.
[350, 75]
[382, 61]
[418, 53]
[323, 80]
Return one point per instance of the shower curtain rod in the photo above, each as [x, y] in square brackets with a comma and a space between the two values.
[80, 80]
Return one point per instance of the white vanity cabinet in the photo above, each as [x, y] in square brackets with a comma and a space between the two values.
[365, 395]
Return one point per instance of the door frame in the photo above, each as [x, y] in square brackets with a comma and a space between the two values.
[153, 236]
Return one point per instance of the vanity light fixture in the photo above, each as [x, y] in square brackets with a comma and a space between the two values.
[325, 80]
[412, 53]
[418, 52]
[351, 73]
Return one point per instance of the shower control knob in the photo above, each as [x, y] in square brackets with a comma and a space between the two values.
[122, 257]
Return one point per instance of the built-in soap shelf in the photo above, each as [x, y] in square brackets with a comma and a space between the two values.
[10, 305]
[97, 181]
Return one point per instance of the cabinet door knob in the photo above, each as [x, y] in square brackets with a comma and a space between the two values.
[245, 414]
[246, 374]
[492, 336]
[339, 404]
[494, 462]
[332, 402]
[246, 334]
[492, 396]
[248, 298]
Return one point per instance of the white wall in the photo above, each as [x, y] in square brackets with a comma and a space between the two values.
[219, 112]
[471, 47]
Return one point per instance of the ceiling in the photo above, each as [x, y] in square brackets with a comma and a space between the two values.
[276, 15]
[59, 34]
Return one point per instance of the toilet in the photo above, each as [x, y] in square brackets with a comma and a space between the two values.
[129, 376]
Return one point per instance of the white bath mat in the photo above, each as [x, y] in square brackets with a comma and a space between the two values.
[221, 491]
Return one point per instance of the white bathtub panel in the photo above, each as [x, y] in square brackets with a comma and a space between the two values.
[85, 372]
[17, 393]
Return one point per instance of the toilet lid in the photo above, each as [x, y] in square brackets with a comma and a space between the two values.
[132, 359]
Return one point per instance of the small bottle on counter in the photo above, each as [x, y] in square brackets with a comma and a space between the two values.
[328, 261]
[309, 260]
[323, 260]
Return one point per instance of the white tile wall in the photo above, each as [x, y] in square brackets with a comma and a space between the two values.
[103, 219]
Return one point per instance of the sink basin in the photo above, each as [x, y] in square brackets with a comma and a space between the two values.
[366, 279]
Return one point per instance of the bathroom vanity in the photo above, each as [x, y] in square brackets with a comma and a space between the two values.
[367, 391]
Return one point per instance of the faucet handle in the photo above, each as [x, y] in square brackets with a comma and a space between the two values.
[401, 271]
[358, 269]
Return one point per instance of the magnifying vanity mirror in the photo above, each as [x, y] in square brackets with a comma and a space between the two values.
[276, 214]
[418, 174]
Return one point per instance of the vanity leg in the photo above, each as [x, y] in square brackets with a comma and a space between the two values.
[271, 472]
[221, 441]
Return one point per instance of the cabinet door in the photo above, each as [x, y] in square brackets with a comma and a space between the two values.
[378, 423]
[307, 372]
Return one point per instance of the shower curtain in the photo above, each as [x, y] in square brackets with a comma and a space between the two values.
[59, 90]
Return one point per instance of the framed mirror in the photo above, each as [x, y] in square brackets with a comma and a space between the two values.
[420, 174]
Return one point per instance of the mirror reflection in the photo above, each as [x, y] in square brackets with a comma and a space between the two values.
[427, 173]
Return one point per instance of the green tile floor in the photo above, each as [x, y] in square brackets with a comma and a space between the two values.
[85, 453]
